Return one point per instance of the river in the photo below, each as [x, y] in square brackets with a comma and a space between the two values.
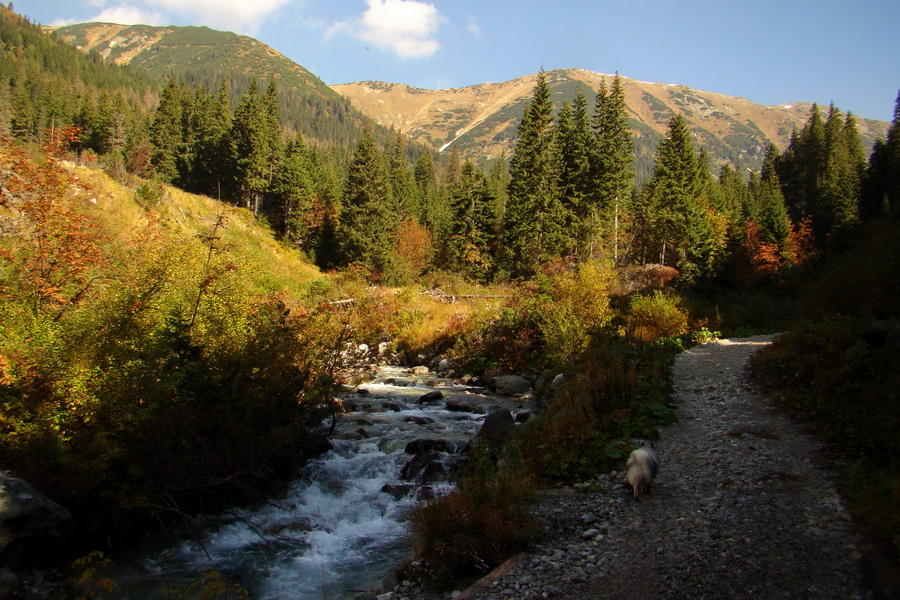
[343, 523]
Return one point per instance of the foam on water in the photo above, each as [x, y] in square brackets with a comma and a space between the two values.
[334, 531]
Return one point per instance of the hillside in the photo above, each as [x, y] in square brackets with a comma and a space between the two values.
[482, 120]
[204, 56]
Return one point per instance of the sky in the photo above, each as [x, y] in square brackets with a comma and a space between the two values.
[770, 52]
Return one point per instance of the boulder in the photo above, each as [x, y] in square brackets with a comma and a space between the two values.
[425, 468]
[445, 365]
[431, 445]
[511, 385]
[398, 491]
[28, 519]
[419, 370]
[495, 427]
[431, 397]
[419, 420]
[464, 403]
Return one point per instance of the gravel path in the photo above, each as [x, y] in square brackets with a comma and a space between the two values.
[743, 507]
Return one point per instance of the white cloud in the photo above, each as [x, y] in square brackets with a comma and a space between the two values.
[243, 16]
[474, 27]
[128, 15]
[405, 27]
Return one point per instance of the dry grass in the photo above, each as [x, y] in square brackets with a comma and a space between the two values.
[274, 266]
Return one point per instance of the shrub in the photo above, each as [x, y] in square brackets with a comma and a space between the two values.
[483, 522]
[656, 315]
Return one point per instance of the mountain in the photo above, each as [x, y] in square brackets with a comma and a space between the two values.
[203, 56]
[482, 120]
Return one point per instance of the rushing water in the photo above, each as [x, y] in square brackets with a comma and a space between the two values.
[343, 523]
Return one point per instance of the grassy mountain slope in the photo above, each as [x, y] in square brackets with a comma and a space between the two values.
[205, 56]
[482, 120]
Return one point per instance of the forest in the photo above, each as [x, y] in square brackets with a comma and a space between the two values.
[147, 375]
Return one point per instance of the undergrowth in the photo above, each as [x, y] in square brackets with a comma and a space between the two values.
[838, 368]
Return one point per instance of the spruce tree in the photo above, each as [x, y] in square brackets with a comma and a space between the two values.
[403, 182]
[534, 220]
[167, 132]
[882, 179]
[467, 246]
[255, 146]
[574, 148]
[680, 230]
[367, 225]
[612, 165]
[294, 193]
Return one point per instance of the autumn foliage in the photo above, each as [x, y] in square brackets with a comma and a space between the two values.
[143, 374]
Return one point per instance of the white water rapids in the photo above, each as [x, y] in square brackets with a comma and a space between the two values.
[336, 530]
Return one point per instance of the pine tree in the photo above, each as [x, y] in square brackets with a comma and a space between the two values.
[293, 190]
[770, 212]
[212, 154]
[612, 165]
[801, 166]
[839, 185]
[367, 225]
[467, 246]
[680, 229]
[403, 182]
[573, 141]
[255, 146]
[167, 132]
[433, 211]
[533, 223]
[882, 179]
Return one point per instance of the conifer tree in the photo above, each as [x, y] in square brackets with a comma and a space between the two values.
[367, 225]
[533, 222]
[680, 230]
[770, 213]
[842, 177]
[882, 180]
[212, 154]
[734, 194]
[254, 146]
[612, 166]
[467, 246]
[293, 190]
[167, 132]
[433, 211]
[801, 166]
[573, 141]
[403, 182]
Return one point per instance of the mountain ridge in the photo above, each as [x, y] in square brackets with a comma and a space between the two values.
[482, 119]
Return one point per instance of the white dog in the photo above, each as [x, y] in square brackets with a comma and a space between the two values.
[642, 466]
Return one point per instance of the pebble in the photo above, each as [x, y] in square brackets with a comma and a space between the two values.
[738, 509]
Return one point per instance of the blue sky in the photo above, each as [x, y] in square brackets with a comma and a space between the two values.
[767, 51]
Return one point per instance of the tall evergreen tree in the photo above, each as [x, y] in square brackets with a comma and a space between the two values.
[167, 132]
[367, 225]
[293, 193]
[467, 246]
[255, 146]
[680, 229]
[533, 229]
[770, 212]
[574, 147]
[612, 166]
[403, 182]
[212, 153]
[800, 167]
[882, 180]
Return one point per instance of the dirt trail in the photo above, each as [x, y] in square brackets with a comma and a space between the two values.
[744, 506]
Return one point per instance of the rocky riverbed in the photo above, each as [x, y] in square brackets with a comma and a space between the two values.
[744, 506]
